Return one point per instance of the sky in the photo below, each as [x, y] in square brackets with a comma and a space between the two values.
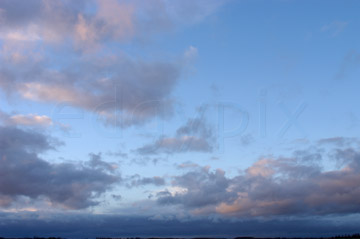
[179, 118]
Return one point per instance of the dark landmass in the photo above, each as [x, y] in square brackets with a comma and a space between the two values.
[353, 236]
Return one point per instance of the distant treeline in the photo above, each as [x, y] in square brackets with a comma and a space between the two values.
[32, 238]
[352, 236]
[357, 235]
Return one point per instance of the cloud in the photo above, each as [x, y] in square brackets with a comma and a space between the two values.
[133, 93]
[335, 28]
[338, 141]
[26, 120]
[246, 139]
[198, 189]
[273, 187]
[187, 164]
[118, 154]
[349, 64]
[109, 21]
[116, 197]
[120, 89]
[191, 53]
[176, 145]
[25, 174]
[97, 162]
[54, 21]
[31, 121]
[194, 136]
[137, 181]
[113, 20]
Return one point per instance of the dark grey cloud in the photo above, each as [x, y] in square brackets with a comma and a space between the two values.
[195, 135]
[25, 174]
[297, 185]
[137, 181]
[97, 162]
[13, 139]
[202, 188]
[116, 197]
[91, 226]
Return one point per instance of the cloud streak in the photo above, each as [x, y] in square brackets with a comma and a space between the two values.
[195, 135]
[25, 120]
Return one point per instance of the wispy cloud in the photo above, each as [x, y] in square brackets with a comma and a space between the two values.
[335, 28]
[196, 135]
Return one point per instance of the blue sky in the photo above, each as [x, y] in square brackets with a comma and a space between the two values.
[240, 117]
